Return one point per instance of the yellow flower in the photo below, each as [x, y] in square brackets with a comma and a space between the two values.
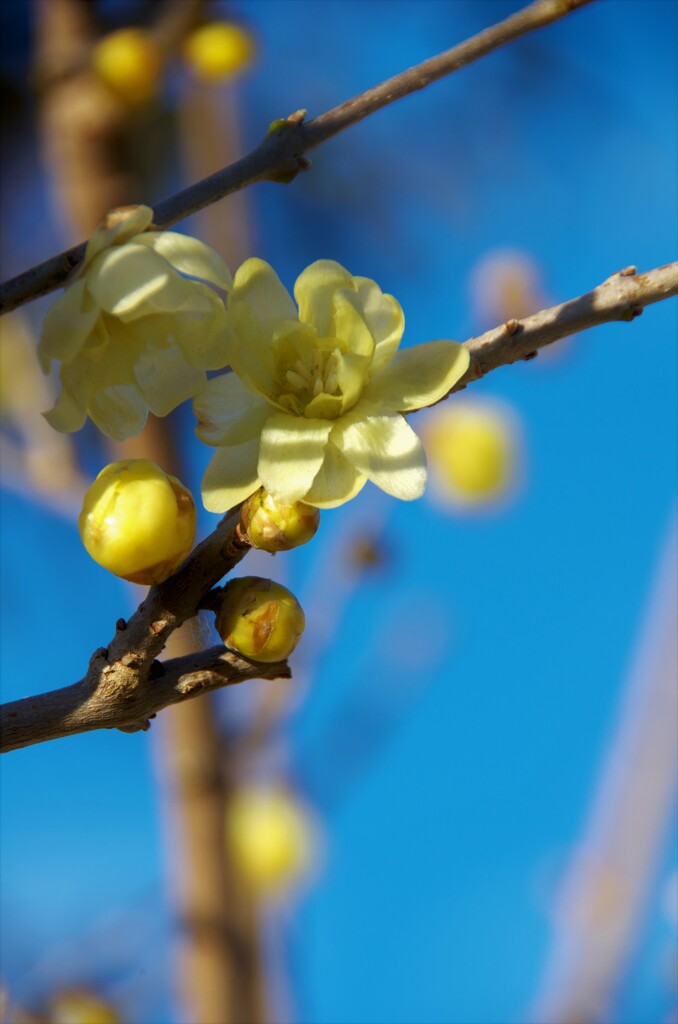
[314, 407]
[219, 50]
[474, 452]
[130, 332]
[269, 836]
[129, 63]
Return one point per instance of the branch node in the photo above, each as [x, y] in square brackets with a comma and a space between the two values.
[121, 625]
[530, 355]
[628, 271]
[512, 327]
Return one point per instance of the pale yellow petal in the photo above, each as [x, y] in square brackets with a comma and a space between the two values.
[349, 327]
[131, 280]
[291, 453]
[228, 413]
[384, 316]
[249, 349]
[231, 476]
[336, 482]
[165, 379]
[68, 413]
[136, 218]
[315, 290]
[118, 411]
[386, 450]
[199, 334]
[188, 256]
[257, 284]
[417, 377]
[66, 325]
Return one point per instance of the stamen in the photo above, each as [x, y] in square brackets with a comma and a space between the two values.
[317, 387]
[331, 383]
[303, 370]
[296, 380]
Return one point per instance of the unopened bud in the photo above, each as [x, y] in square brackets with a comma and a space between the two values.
[272, 526]
[270, 836]
[260, 619]
[129, 63]
[138, 522]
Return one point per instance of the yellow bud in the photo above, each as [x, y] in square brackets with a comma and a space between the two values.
[138, 522]
[269, 836]
[472, 452]
[272, 526]
[260, 619]
[219, 50]
[128, 62]
[76, 1006]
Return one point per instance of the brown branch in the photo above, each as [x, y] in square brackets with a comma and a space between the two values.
[280, 154]
[121, 676]
[622, 297]
[119, 689]
[79, 708]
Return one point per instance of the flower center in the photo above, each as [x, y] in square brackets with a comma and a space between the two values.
[308, 372]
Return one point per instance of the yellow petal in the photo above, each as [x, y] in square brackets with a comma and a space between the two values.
[418, 376]
[68, 413]
[249, 350]
[384, 317]
[386, 450]
[199, 334]
[188, 256]
[118, 411]
[165, 379]
[315, 290]
[231, 476]
[131, 280]
[257, 284]
[228, 413]
[349, 327]
[126, 224]
[336, 482]
[291, 453]
[66, 325]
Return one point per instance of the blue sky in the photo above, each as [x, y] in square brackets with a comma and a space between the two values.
[451, 739]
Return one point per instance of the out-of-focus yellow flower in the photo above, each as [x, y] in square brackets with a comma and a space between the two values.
[259, 618]
[473, 450]
[128, 62]
[219, 50]
[77, 1006]
[269, 836]
[137, 521]
[314, 408]
[132, 334]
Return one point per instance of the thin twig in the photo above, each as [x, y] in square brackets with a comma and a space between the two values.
[280, 154]
[120, 673]
[621, 297]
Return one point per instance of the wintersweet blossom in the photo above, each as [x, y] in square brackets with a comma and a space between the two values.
[314, 407]
[131, 333]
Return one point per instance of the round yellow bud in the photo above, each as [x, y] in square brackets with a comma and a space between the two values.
[260, 619]
[128, 62]
[272, 526]
[269, 836]
[219, 50]
[472, 451]
[138, 522]
[76, 1006]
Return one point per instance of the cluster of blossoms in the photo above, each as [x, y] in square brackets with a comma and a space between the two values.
[313, 408]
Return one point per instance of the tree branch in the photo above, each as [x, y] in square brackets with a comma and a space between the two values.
[125, 686]
[621, 297]
[80, 708]
[280, 154]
